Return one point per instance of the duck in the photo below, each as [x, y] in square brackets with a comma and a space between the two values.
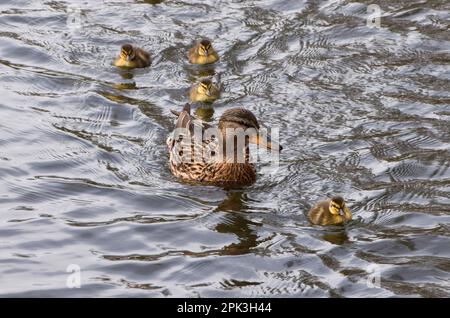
[327, 212]
[204, 91]
[205, 158]
[203, 53]
[132, 57]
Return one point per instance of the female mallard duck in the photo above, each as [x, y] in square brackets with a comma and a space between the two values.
[132, 57]
[199, 152]
[203, 53]
[328, 212]
[204, 91]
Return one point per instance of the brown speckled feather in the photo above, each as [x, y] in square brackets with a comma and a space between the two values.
[196, 168]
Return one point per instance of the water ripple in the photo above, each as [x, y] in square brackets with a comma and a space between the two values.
[362, 112]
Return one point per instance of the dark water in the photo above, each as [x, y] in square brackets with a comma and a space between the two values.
[363, 112]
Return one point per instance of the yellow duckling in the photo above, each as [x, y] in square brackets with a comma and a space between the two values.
[203, 53]
[132, 57]
[327, 212]
[204, 91]
[207, 159]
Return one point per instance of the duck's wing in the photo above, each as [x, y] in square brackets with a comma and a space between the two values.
[188, 121]
[183, 127]
[144, 55]
[184, 118]
[187, 140]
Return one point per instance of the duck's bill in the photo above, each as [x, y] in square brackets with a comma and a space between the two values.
[266, 142]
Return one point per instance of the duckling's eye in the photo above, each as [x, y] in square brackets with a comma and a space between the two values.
[205, 48]
[126, 53]
[336, 206]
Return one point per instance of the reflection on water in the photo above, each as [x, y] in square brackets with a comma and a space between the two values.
[126, 74]
[336, 237]
[362, 112]
[205, 112]
[236, 223]
[199, 71]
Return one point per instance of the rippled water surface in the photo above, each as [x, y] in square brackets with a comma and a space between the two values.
[363, 112]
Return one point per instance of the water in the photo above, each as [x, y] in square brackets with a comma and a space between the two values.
[363, 112]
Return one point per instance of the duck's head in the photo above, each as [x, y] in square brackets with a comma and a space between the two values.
[127, 52]
[205, 87]
[337, 204]
[205, 47]
[240, 119]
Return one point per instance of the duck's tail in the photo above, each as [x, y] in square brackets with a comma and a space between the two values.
[186, 108]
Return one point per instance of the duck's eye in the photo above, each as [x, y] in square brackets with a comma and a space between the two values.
[213, 153]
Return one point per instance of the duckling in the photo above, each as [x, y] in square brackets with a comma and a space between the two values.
[203, 53]
[204, 159]
[204, 91]
[327, 212]
[132, 57]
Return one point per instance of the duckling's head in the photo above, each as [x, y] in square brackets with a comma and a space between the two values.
[205, 47]
[240, 118]
[127, 52]
[204, 87]
[337, 204]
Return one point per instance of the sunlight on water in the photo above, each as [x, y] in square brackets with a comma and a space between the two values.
[362, 109]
